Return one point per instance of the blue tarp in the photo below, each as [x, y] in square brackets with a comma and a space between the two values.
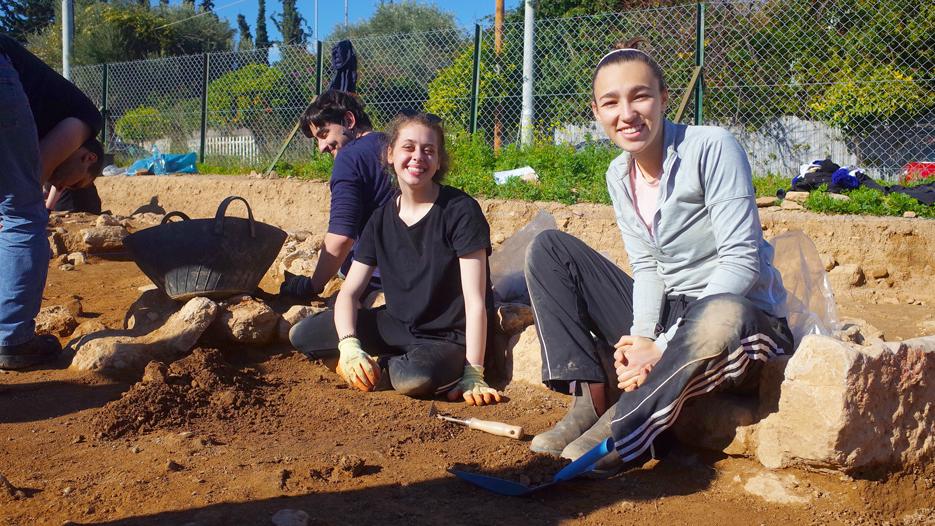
[165, 163]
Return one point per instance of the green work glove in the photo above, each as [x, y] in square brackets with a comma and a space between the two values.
[473, 387]
[358, 368]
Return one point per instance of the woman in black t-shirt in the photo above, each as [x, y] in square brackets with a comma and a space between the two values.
[431, 244]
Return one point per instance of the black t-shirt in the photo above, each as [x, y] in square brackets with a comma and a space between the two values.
[79, 200]
[52, 99]
[419, 263]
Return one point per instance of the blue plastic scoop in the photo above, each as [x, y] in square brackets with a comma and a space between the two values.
[510, 488]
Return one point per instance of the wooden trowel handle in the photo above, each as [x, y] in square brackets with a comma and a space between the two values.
[495, 428]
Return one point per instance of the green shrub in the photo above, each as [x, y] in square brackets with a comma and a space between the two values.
[866, 201]
[140, 124]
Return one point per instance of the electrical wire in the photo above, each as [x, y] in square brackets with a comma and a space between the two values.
[203, 13]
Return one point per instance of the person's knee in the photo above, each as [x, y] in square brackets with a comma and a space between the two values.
[719, 320]
[306, 333]
[543, 246]
[414, 383]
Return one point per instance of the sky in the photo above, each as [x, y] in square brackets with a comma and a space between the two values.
[331, 12]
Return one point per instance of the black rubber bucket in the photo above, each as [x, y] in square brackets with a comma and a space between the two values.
[216, 258]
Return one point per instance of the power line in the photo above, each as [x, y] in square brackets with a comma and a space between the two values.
[203, 13]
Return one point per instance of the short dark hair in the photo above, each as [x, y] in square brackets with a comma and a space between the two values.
[330, 108]
[428, 120]
[94, 146]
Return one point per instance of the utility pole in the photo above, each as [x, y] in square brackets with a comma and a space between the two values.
[526, 116]
[345, 15]
[315, 28]
[497, 48]
[68, 32]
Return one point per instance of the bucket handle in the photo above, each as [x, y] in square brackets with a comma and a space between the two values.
[170, 215]
[222, 210]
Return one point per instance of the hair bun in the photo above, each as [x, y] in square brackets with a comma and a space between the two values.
[630, 43]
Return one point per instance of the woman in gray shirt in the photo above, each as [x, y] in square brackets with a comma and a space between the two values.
[704, 306]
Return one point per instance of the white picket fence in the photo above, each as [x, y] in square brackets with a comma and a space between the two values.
[239, 146]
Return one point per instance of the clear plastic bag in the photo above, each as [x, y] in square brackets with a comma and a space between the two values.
[508, 262]
[810, 301]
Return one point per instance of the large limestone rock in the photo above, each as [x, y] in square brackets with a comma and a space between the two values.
[55, 320]
[524, 357]
[244, 319]
[149, 311]
[854, 408]
[843, 277]
[56, 244]
[299, 255]
[127, 355]
[88, 327]
[104, 238]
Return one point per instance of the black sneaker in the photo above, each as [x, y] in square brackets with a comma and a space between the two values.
[41, 349]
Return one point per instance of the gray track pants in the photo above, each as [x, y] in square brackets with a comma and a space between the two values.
[576, 292]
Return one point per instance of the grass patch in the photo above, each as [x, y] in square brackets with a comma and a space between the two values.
[767, 185]
[569, 176]
[866, 201]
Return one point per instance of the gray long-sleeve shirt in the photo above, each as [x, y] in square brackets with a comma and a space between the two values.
[707, 235]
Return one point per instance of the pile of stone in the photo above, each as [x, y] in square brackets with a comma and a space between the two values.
[156, 328]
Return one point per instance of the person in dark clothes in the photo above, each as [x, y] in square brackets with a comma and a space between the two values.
[78, 200]
[46, 124]
[358, 184]
[432, 243]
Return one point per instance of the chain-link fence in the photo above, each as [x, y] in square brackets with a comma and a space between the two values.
[795, 80]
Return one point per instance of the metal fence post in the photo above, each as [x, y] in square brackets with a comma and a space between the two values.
[318, 63]
[529, 38]
[204, 106]
[104, 111]
[475, 83]
[699, 62]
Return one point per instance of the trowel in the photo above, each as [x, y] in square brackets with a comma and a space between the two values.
[510, 488]
[488, 426]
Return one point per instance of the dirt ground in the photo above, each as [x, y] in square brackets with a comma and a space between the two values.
[231, 436]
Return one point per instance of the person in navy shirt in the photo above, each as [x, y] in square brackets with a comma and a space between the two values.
[359, 185]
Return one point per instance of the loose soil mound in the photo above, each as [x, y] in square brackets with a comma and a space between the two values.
[200, 385]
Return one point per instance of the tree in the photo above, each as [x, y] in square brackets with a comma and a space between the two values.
[291, 24]
[251, 97]
[245, 42]
[399, 51]
[402, 17]
[262, 37]
[144, 123]
[20, 18]
[207, 5]
[120, 32]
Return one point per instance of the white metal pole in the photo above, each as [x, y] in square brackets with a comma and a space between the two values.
[316, 37]
[68, 31]
[345, 14]
[526, 117]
